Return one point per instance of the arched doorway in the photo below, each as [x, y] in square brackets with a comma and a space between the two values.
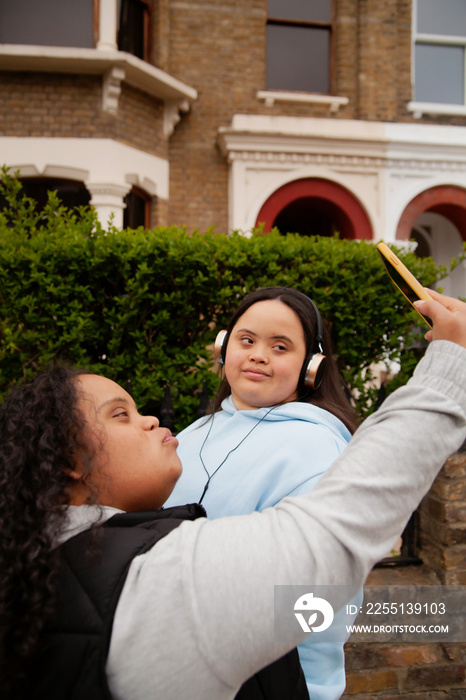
[436, 220]
[315, 206]
[448, 201]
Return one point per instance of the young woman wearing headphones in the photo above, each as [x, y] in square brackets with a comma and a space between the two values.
[281, 417]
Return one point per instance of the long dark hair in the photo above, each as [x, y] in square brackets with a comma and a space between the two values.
[41, 431]
[331, 393]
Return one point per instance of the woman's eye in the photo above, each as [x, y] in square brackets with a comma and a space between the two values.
[246, 341]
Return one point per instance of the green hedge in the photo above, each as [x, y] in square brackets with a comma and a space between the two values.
[144, 306]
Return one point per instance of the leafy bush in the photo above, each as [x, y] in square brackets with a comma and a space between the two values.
[144, 306]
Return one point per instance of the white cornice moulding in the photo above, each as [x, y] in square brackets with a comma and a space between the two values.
[343, 143]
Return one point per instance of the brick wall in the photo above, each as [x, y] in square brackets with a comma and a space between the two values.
[443, 523]
[218, 48]
[407, 671]
[423, 671]
[33, 104]
[158, 212]
[383, 43]
[70, 106]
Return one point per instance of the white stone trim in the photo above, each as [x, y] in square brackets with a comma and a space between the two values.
[143, 183]
[383, 165]
[111, 89]
[420, 108]
[107, 198]
[108, 25]
[271, 96]
[106, 167]
[172, 115]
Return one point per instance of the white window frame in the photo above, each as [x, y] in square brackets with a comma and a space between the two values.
[420, 108]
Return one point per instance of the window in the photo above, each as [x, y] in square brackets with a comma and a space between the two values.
[70, 192]
[137, 210]
[48, 23]
[299, 35]
[134, 28]
[439, 51]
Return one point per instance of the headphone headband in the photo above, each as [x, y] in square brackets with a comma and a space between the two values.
[319, 325]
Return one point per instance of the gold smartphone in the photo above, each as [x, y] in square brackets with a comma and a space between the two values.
[408, 285]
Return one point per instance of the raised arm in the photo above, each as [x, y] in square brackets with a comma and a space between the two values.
[207, 589]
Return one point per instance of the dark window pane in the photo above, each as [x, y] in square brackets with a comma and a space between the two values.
[439, 74]
[298, 58]
[70, 192]
[47, 22]
[446, 17]
[131, 28]
[301, 10]
[135, 213]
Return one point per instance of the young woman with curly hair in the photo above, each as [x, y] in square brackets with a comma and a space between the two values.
[105, 594]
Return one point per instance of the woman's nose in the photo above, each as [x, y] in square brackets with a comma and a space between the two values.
[258, 354]
[150, 422]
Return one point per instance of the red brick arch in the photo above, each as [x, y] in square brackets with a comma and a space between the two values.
[447, 200]
[356, 223]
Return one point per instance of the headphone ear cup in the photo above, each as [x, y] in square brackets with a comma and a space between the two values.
[314, 371]
[220, 347]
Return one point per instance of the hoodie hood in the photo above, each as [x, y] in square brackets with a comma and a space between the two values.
[294, 410]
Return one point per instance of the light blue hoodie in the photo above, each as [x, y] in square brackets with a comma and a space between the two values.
[262, 456]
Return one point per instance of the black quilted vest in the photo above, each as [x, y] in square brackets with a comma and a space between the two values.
[75, 645]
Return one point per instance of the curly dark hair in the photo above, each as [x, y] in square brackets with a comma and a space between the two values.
[41, 431]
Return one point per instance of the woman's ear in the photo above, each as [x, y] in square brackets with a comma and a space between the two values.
[78, 490]
[78, 471]
[75, 474]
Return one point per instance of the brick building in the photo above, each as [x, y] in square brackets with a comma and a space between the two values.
[340, 115]
[315, 117]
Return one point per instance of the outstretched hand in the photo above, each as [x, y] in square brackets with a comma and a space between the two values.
[448, 317]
